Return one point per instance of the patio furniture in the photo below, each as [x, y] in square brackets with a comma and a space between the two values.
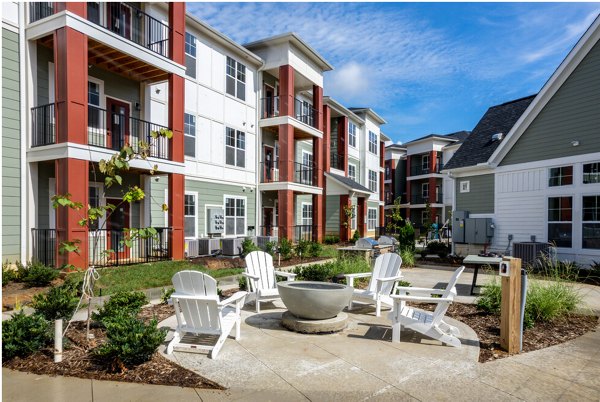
[384, 278]
[260, 275]
[199, 312]
[478, 261]
[424, 322]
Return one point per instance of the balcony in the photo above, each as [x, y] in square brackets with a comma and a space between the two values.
[422, 170]
[425, 198]
[302, 110]
[156, 248]
[299, 232]
[303, 174]
[106, 130]
[122, 19]
[338, 161]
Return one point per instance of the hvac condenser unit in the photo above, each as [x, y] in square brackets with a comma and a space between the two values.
[232, 247]
[208, 246]
[529, 252]
[261, 241]
[191, 248]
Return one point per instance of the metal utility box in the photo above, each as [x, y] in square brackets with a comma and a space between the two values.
[215, 221]
[191, 248]
[458, 226]
[208, 246]
[232, 247]
[478, 230]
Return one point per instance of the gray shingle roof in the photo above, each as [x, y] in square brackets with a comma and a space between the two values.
[348, 182]
[478, 146]
[455, 137]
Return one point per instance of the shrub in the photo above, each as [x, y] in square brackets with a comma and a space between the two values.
[270, 247]
[9, 274]
[130, 341]
[243, 283]
[314, 249]
[404, 284]
[406, 236]
[129, 303]
[23, 335]
[327, 271]
[556, 270]
[491, 297]
[331, 239]
[285, 248]
[546, 302]
[58, 302]
[408, 257]
[439, 248]
[166, 295]
[248, 246]
[37, 274]
[356, 236]
[302, 248]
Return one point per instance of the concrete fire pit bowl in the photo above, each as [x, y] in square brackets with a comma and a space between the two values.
[314, 300]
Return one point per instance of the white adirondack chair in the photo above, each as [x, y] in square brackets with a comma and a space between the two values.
[199, 311]
[260, 276]
[384, 278]
[424, 322]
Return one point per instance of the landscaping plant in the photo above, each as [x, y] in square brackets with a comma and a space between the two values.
[166, 295]
[120, 303]
[271, 247]
[408, 257]
[23, 335]
[58, 302]
[331, 239]
[248, 246]
[326, 272]
[302, 248]
[314, 249]
[356, 236]
[37, 274]
[286, 248]
[8, 274]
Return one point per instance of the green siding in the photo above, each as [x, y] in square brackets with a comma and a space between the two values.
[301, 198]
[573, 113]
[158, 185]
[332, 214]
[118, 87]
[480, 198]
[11, 152]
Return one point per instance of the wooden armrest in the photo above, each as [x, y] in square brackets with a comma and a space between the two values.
[235, 298]
[247, 275]
[286, 274]
[422, 298]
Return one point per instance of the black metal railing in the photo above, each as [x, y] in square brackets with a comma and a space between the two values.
[302, 232]
[269, 107]
[304, 174]
[269, 172]
[43, 125]
[304, 112]
[152, 249]
[389, 198]
[419, 170]
[123, 130]
[268, 230]
[338, 161]
[424, 199]
[39, 10]
[44, 246]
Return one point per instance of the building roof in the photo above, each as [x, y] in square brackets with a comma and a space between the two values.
[293, 38]
[479, 145]
[348, 183]
[400, 147]
[334, 104]
[452, 137]
[370, 112]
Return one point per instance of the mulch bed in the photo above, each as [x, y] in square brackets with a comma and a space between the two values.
[18, 293]
[214, 263]
[543, 335]
[79, 362]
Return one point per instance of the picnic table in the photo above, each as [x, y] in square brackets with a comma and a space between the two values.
[478, 261]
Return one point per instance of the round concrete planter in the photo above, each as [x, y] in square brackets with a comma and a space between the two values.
[314, 300]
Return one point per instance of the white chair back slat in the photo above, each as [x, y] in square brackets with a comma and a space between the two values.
[194, 283]
[197, 314]
[259, 263]
[386, 266]
[450, 292]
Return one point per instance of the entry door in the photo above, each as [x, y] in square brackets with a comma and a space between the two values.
[268, 221]
[269, 164]
[115, 223]
[269, 102]
[118, 123]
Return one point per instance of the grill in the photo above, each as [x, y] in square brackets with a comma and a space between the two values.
[366, 243]
[388, 241]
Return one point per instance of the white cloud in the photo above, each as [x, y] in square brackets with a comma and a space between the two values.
[350, 81]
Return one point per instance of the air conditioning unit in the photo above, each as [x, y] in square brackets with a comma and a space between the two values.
[191, 248]
[232, 247]
[529, 252]
[261, 241]
[208, 246]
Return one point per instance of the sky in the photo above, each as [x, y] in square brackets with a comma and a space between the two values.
[424, 67]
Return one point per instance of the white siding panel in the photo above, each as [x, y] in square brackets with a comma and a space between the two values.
[204, 69]
[217, 144]
[204, 134]
[212, 103]
[235, 114]
[191, 97]
[218, 71]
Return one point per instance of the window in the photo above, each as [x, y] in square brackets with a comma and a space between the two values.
[235, 216]
[93, 93]
[236, 79]
[560, 212]
[465, 186]
[190, 55]
[304, 112]
[353, 219]
[93, 12]
[307, 214]
[306, 170]
[373, 181]
[560, 176]
[352, 134]
[189, 131]
[590, 226]
[371, 218]
[189, 213]
[372, 142]
[591, 173]
[424, 192]
[425, 163]
[235, 148]
[352, 171]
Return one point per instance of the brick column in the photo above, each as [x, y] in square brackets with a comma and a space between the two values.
[79, 8]
[286, 90]
[326, 138]
[381, 181]
[285, 200]
[432, 180]
[361, 216]
[345, 230]
[72, 177]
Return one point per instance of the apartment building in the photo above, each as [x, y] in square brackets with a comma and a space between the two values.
[394, 177]
[252, 133]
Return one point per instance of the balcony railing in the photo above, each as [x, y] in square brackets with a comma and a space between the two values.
[302, 110]
[43, 125]
[303, 174]
[421, 170]
[143, 250]
[269, 107]
[299, 232]
[424, 199]
[123, 19]
[338, 161]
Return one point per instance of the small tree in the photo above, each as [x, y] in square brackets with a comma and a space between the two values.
[349, 214]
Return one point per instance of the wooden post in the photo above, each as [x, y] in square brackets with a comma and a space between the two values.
[510, 309]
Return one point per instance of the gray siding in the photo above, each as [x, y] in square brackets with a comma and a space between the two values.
[332, 214]
[11, 143]
[116, 86]
[158, 185]
[44, 56]
[45, 172]
[480, 198]
[573, 113]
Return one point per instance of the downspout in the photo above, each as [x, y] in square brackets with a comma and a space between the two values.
[258, 198]
[23, 128]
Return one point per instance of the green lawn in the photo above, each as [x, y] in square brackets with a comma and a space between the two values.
[151, 275]
[329, 251]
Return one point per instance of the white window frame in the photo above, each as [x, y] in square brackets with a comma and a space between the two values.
[308, 208]
[588, 221]
[371, 221]
[464, 186]
[373, 182]
[425, 190]
[592, 173]
[236, 134]
[352, 167]
[571, 222]
[561, 176]
[425, 163]
[236, 197]
[373, 143]
[236, 71]
[195, 195]
[193, 56]
[351, 134]
[353, 220]
[190, 136]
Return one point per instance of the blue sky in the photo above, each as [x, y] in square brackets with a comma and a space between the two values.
[425, 67]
